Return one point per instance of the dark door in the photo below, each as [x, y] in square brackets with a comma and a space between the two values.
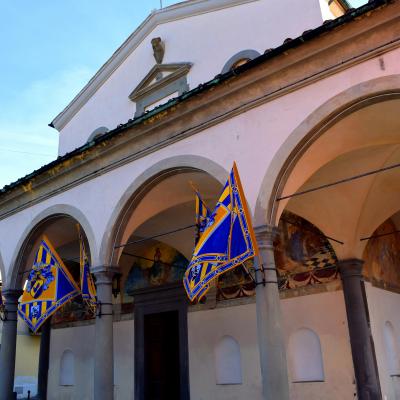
[161, 356]
[161, 343]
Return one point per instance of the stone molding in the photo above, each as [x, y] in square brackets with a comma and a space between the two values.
[104, 274]
[266, 235]
[350, 268]
[11, 295]
[147, 93]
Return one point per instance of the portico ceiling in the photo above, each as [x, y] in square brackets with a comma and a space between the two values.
[366, 140]
[170, 205]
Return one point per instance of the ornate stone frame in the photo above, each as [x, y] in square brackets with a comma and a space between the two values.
[147, 93]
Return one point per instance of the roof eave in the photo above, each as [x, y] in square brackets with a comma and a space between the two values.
[308, 35]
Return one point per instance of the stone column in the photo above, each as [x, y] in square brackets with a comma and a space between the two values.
[8, 344]
[269, 320]
[44, 356]
[365, 368]
[104, 352]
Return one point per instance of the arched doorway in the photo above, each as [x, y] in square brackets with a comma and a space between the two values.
[153, 242]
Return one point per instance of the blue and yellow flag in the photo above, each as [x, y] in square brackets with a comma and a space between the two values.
[88, 287]
[227, 241]
[49, 286]
[202, 213]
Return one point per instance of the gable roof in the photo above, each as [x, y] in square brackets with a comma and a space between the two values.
[351, 14]
[157, 17]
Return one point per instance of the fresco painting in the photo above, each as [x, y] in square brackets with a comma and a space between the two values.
[382, 256]
[303, 255]
[154, 265]
[236, 283]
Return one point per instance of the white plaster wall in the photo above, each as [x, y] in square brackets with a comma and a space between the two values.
[205, 329]
[268, 126]
[207, 40]
[80, 340]
[325, 314]
[124, 360]
[384, 306]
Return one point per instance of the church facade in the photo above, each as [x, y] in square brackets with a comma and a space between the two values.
[304, 97]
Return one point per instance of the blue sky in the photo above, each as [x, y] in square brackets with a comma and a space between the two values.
[50, 50]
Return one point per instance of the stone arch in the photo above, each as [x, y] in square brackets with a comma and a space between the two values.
[314, 126]
[146, 181]
[97, 133]
[43, 216]
[241, 55]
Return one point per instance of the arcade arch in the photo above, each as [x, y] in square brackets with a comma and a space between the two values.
[58, 222]
[145, 182]
[282, 176]
[152, 264]
[62, 231]
[164, 203]
[352, 134]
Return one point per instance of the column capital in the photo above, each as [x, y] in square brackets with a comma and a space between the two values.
[266, 235]
[104, 274]
[11, 295]
[350, 268]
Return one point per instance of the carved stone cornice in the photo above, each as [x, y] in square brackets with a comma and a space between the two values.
[11, 295]
[352, 267]
[266, 235]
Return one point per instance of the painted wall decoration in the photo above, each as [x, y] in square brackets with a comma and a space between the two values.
[382, 256]
[153, 265]
[303, 255]
[236, 283]
[72, 311]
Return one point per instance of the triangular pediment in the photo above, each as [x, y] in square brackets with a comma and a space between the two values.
[158, 77]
